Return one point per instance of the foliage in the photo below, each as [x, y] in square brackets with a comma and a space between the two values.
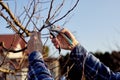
[112, 60]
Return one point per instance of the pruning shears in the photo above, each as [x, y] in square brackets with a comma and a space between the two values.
[54, 31]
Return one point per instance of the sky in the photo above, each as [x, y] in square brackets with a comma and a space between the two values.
[95, 24]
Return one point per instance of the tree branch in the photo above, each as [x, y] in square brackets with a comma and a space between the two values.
[9, 22]
[47, 20]
[57, 9]
[10, 50]
[66, 13]
[14, 18]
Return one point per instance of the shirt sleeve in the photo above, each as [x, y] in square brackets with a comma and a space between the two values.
[92, 67]
[37, 68]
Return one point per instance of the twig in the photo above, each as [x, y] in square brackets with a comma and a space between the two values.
[43, 51]
[58, 9]
[9, 22]
[48, 17]
[22, 60]
[14, 18]
[67, 20]
[31, 19]
[66, 13]
[51, 5]
[10, 50]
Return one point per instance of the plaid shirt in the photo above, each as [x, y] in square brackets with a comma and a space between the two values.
[93, 68]
[37, 68]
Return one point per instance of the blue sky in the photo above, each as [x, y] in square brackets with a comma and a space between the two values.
[95, 24]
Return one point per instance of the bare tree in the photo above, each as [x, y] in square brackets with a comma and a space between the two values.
[34, 14]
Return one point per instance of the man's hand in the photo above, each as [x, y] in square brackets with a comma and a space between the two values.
[34, 44]
[60, 40]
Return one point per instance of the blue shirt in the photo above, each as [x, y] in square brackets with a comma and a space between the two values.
[83, 61]
[37, 68]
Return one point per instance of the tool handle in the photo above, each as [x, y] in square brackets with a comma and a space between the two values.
[56, 31]
[67, 38]
[53, 35]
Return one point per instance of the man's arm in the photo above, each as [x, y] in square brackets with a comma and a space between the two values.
[93, 68]
[37, 68]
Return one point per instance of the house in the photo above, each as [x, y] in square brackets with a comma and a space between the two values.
[12, 42]
[12, 61]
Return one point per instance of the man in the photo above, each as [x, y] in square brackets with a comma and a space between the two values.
[83, 61]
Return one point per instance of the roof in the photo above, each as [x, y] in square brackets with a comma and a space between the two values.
[11, 40]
